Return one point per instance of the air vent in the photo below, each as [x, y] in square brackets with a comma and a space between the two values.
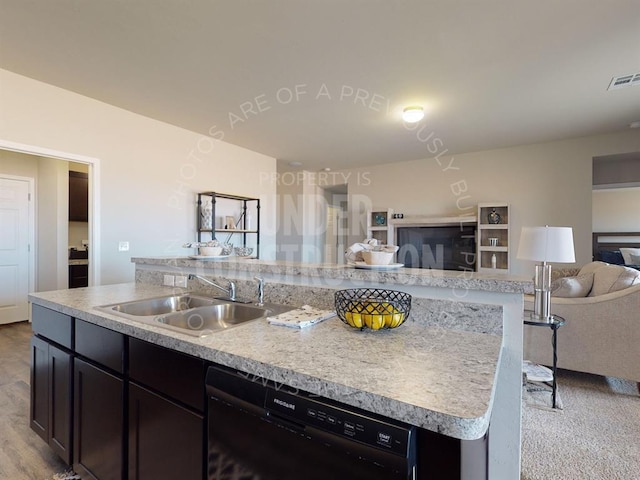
[624, 81]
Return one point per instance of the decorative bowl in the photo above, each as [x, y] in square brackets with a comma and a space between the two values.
[372, 257]
[372, 308]
[211, 251]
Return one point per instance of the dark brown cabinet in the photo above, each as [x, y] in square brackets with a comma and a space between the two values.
[50, 415]
[165, 438]
[98, 402]
[78, 197]
[98, 422]
[78, 276]
[166, 413]
[115, 407]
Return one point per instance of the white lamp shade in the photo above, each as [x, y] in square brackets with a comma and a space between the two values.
[547, 244]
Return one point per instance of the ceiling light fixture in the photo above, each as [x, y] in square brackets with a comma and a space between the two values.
[634, 125]
[295, 164]
[413, 114]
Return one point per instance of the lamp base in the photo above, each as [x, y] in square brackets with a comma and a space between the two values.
[542, 294]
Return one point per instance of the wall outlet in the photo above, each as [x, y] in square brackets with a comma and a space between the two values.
[123, 246]
[169, 281]
[181, 281]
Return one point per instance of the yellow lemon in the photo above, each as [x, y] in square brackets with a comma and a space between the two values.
[348, 317]
[397, 319]
[377, 322]
[388, 320]
[356, 318]
[367, 319]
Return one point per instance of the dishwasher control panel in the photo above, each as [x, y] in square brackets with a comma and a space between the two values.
[321, 414]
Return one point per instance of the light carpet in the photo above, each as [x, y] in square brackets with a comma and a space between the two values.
[595, 437]
[540, 395]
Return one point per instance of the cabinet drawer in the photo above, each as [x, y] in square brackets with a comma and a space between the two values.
[177, 375]
[53, 325]
[101, 345]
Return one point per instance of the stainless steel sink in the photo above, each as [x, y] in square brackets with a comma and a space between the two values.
[192, 314]
[212, 318]
[161, 305]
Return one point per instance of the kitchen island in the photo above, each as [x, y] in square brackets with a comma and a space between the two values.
[431, 372]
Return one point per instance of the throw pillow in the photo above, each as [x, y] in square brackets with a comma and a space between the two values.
[635, 259]
[572, 287]
[612, 278]
[591, 267]
[612, 256]
[626, 254]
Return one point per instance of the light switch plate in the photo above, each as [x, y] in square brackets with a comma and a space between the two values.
[181, 281]
[169, 280]
[123, 246]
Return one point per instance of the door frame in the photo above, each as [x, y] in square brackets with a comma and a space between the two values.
[94, 198]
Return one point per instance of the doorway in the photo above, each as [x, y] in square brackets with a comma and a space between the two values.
[336, 227]
[40, 247]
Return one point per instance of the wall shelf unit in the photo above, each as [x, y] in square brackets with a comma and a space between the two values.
[493, 223]
[380, 227]
[246, 223]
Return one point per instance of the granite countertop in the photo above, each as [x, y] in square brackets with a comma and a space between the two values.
[462, 280]
[79, 262]
[439, 379]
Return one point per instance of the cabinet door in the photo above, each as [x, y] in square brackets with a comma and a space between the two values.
[78, 197]
[165, 439]
[78, 276]
[39, 414]
[98, 423]
[60, 374]
[51, 372]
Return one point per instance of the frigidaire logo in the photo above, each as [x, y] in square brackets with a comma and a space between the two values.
[284, 404]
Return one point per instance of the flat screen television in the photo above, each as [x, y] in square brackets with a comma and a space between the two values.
[441, 248]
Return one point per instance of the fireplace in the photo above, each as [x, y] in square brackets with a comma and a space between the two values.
[451, 247]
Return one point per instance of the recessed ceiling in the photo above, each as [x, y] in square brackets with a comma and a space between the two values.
[324, 82]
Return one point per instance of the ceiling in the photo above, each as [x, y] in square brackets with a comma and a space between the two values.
[323, 82]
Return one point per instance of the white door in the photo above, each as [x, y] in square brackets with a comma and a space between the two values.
[14, 250]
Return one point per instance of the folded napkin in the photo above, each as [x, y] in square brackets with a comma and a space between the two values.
[301, 317]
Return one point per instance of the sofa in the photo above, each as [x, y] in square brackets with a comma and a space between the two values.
[601, 306]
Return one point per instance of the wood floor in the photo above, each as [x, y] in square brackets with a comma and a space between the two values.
[23, 455]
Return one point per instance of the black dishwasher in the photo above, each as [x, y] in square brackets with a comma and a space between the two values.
[259, 430]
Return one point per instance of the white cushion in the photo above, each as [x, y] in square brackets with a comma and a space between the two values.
[626, 254]
[635, 259]
[612, 278]
[572, 287]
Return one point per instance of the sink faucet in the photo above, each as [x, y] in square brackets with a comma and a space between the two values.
[260, 291]
[231, 291]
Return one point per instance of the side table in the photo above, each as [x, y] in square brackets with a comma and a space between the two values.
[554, 324]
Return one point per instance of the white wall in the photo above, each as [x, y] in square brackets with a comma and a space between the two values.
[150, 171]
[616, 210]
[52, 207]
[545, 184]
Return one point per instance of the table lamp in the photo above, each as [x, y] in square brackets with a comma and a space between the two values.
[545, 244]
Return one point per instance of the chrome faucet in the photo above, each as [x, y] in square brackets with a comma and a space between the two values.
[260, 281]
[231, 291]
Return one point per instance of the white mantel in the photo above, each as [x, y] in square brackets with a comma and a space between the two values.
[421, 221]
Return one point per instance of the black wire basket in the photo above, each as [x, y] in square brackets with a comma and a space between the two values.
[372, 308]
